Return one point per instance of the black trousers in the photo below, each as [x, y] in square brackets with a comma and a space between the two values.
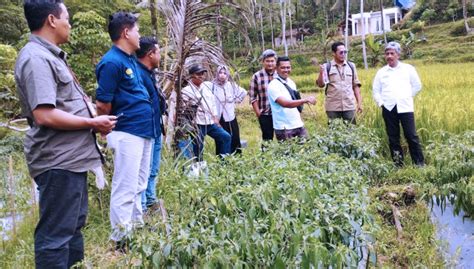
[63, 211]
[266, 125]
[232, 127]
[348, 115]
[392, 124]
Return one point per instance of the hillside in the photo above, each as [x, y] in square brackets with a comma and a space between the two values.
[440, 43]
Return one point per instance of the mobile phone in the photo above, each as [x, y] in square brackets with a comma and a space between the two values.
[119, 115]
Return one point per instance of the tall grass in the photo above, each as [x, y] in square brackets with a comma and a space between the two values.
[444, 103]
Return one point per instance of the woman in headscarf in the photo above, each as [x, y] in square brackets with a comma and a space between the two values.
[228, 94]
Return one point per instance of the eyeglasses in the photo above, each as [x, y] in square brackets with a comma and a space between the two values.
[342, 52]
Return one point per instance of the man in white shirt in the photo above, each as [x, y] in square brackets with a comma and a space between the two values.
[199, 93]
[285, 115]
[394, 87]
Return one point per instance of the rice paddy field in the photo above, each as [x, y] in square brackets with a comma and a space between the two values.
[327, 202]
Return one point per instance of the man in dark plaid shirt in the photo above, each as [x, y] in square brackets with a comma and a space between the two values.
[258, 93]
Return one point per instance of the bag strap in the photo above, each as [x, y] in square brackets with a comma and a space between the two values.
[290, 90]
[352, 69]
[328, 68]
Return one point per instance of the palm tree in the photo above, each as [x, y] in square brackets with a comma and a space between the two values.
[184, 18]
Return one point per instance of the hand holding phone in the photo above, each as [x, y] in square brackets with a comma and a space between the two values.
[119, 115]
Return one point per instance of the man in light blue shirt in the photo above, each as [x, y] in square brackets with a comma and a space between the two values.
[285, 115]
[394, 87]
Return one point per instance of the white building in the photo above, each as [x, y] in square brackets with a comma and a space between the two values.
[373, 21]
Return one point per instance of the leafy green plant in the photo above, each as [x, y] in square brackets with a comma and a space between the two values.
[375, 49]
[297, 204]
[89, 41]
[452, 157]
[9, 106]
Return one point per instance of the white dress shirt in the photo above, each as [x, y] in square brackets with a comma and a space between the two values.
[283, 118]
[227, 96]
[396, 87]
[202, 97]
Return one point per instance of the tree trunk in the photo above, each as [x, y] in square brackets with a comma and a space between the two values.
[271, 25]
[383, 24]
[464, 14]
[261, 25]
[218, 28]
[346, 34]
[291, 25]
[283, 25]
[154, 21]
[364, 52]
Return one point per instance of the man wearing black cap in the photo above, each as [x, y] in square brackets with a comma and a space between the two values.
[258, 93]
[199, 93]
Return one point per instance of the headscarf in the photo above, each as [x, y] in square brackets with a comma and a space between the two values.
[219, 69]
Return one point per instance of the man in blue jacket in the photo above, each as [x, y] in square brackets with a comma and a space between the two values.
[148, 60]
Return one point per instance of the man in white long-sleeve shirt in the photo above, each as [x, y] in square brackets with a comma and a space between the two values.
[394, 87]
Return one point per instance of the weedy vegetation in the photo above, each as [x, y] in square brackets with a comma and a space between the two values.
[319, 203]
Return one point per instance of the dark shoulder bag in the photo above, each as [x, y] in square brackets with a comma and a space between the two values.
[295, 95]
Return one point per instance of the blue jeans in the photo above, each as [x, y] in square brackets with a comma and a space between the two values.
[149, 195]
[185, 148]
[63, 211]
[221, 137]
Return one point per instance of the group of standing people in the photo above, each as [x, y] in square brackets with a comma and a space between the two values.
[61, 145]
[277, 106]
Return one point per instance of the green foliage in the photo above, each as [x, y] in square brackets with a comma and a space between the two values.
[103, 8]
[89, 41]
[452, 157]
[17, 182]
[429, 15]
[12, 23]
[7, 58]
[8, 99]
[375, 49]
[418, 27]
[296, 205]
[437, 11]
[459, 28]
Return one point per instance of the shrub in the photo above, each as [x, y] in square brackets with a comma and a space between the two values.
[8, 100]
[295, 205]
[89, 41]
[459, 29]
[418, 27]
[429, 15]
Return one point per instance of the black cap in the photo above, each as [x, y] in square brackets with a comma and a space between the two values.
[196, 69]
